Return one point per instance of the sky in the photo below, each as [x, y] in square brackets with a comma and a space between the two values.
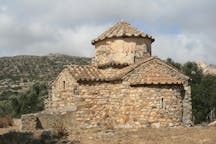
[183, 30]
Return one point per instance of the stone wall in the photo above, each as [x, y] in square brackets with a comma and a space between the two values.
[116, 104]
[61, 96]
[187, 105]
[119, 106]
[29, 122]
[121, 50]
[49, 121]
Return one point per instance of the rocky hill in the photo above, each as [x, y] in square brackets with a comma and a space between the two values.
[207, 68]
[18, 73]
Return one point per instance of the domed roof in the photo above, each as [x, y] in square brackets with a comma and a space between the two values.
[122, 29]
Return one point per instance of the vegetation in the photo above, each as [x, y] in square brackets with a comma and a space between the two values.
[61, 130]
[29, 101]
[6, 121]
[16, 137]
[19, 90]
[203, 91]
[19, 72]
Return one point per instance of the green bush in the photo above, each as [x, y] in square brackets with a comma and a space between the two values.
[30, 101]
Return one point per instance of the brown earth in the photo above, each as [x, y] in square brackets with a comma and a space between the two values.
[195, 135]
[15, 127]
[181, 135]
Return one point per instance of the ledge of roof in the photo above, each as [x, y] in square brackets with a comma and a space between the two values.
[112, 64]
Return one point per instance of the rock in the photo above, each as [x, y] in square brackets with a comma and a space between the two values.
[90, 138]
[171, 124]
[212, 123]
[188, 123]
[156, 125]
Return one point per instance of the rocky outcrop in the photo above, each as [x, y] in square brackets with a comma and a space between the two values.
[207, 68]
[212, 124]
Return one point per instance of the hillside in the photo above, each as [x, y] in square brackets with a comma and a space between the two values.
[17, 73]
[207, 68]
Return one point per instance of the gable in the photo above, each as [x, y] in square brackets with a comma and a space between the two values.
[155, 71]
[64, 75]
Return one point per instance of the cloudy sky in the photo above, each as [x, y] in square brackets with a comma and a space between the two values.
[184, 29]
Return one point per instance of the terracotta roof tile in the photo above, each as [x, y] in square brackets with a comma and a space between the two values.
[150, 75]
[154, 77]
[122, 29]
[153, 74]
[86, 72]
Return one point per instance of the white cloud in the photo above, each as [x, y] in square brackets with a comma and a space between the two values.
[5, 21]
[40, 40]
[183, 47]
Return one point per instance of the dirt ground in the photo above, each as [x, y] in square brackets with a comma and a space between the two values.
[194, 135]
[15, 127]
[181, 135]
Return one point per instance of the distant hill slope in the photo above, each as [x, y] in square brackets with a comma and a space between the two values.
[207, 69]
[17, 73]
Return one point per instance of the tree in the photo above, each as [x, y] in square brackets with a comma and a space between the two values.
[204, 98]
[192, 70]
[175, 64]
[30, 101]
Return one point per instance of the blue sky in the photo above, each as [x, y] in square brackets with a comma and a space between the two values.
[183, 30]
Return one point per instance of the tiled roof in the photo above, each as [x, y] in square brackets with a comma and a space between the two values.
[156, 72]
[122, 29]
[86, 73]
[121, 73]
[153, 76]
[150, 75]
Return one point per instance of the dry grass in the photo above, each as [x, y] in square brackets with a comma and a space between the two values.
[6, 121]
[15, 127]
[195, 135]
[60, 129]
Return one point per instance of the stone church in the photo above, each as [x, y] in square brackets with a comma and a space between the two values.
[124, 87]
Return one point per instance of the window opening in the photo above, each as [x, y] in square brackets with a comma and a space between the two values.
[63, 84]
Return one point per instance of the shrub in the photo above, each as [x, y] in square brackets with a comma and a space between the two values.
[9, 119]
[60, 129]
[6, 121]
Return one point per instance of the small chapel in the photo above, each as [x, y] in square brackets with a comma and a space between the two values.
[124, 86]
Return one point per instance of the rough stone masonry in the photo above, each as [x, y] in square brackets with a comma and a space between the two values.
[124, 87]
